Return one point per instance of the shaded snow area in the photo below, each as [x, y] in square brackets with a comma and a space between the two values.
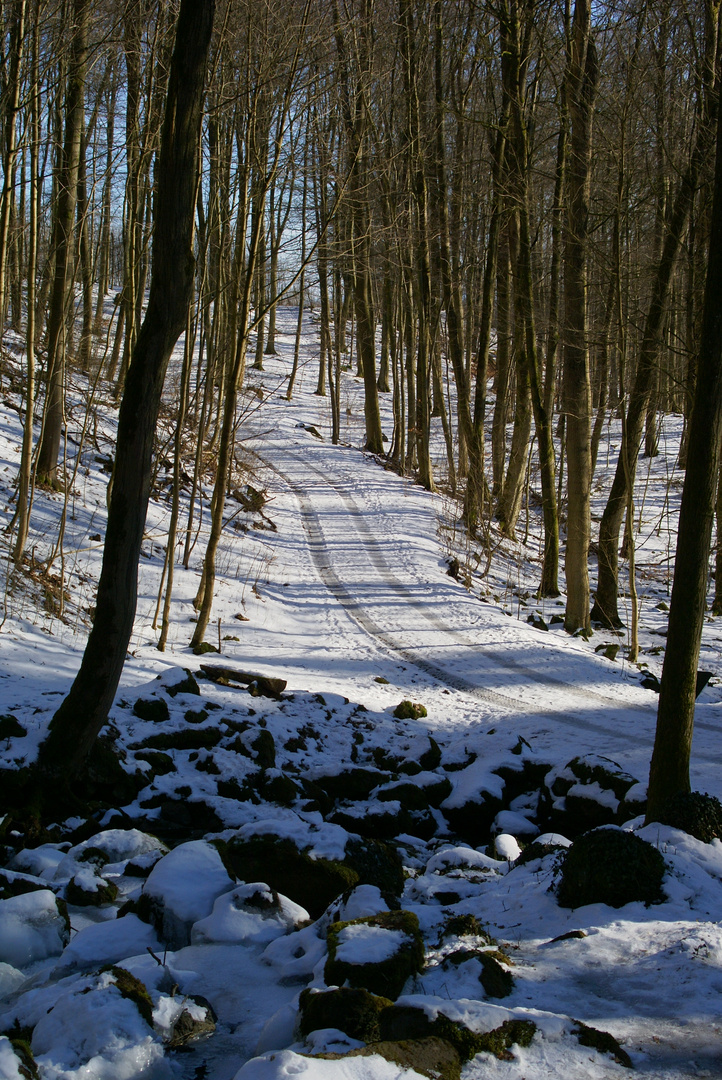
[355, 876]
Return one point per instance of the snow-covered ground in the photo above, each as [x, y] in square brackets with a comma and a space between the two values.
[340, 588]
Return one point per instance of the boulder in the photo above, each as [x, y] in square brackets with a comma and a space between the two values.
[377, 953]
[608, 866]
[182, 888]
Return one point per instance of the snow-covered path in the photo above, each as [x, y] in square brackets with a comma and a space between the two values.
[371, 539]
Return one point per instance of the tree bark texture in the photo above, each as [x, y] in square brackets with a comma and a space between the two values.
[669, 771]
[82, 714]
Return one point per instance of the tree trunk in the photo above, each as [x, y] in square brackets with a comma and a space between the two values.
[669, 771]
[64, 249]
[581, 80]
[77, 722]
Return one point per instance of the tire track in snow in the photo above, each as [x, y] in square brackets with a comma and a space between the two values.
[319, 551]
[373, 549]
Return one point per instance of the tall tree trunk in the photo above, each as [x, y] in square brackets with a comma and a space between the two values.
[581, 83]
[63, 245]
[669, 770]
[77, 722]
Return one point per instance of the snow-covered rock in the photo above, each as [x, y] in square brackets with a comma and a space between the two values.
[250, 913]
[183, 887]
[33, 926]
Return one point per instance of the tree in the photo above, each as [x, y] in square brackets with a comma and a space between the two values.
[669, 770]
[582, 78]
[83, 712]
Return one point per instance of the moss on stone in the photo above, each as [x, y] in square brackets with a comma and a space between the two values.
[410, 710]
[356, 1012]
[432, 1057]
[608, 866]
[603, 1042]
[385, 977]
[154, 710]
[203, 739]
[134, 990]
[496, 980]
[105, 893]
[313, 883]
[698, 814]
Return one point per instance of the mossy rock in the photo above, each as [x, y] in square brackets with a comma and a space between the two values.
[431, 758]
[18, 886]
[466, 926]
[355, 1012]
[11, 728]
[188, 1028]
[279, 789]
[603, 1042]
[376, 863]
[160, 764]
[511, 1033]
[351, 784]
[608, 866]
[374, 824]
[432, 1057]
[472, 822]
[385, 977]
[535, 850]
[187, 685]
[204, 647]
[410, 710]
[195, 716]
[698, 814]
[496, 980]
[26, 1061]
[312, 883]
[265, 749]
[202, 739]
[105, 893]
[154, 710]
[134, 990]
[408, 1022]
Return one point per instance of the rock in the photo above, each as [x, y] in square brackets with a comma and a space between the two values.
[265, 749]
[408, 1022]
[377, 953]
[431, 758]
[33, 926]
[355, 1012]
[351, 784]
[183, 739]
[603, 1042]
[608, 866]
[11, 728]
[428, 789]
[536, 620]
[312, 883]
[496, 980]
[699, 815]
[182, 889]
[196, 1020]
[16, 1060]
[410, 710]
[154, 710]
[588, 792]
[160, 764]
[249, 913]
[88, 889]
[179, 681]
[432, 1057]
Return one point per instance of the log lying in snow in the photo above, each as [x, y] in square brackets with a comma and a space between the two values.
[228, 676]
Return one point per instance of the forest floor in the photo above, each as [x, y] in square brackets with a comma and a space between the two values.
[335, 580]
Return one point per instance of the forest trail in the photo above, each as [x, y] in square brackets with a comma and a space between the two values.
[375, 566]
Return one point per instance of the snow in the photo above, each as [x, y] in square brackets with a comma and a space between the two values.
[31, 928]
[368, 944]
[349, 602]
